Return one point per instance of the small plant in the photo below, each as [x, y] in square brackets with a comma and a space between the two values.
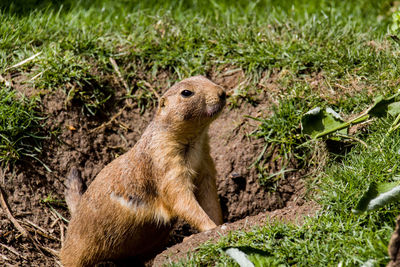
[90, 94]
[320, 123]
[50, 200]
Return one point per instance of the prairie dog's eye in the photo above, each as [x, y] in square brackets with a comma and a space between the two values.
[187, 93]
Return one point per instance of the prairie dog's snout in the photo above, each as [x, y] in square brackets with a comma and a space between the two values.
[217, 96]
[216, 103]
[222, 95]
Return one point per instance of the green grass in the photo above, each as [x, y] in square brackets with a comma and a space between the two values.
[184, 38]
[282, 138]
[20, 128]
[344, 43]
[188, 39]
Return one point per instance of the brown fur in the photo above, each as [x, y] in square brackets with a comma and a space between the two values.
[128, 209]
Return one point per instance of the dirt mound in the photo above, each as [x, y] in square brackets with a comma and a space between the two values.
[33, 193]
[294, 212]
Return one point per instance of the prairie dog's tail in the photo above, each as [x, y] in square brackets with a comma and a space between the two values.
[74, 189]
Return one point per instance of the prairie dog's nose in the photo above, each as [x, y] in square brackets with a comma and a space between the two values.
[222, 95]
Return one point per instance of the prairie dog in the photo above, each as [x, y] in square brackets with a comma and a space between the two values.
[127, 210]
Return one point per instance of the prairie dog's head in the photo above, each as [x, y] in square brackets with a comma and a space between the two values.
[193, 102]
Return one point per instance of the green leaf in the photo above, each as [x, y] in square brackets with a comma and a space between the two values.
[384, 106]
[378, 196]
[394, 109]
[257, 257]
[240, 257]
[317, 121]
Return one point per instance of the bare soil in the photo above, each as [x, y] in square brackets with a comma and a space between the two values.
[35, 196]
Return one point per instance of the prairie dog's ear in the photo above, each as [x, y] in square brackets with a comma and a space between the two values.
[161, 104]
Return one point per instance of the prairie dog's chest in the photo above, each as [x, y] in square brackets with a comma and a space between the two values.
[194, 156]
